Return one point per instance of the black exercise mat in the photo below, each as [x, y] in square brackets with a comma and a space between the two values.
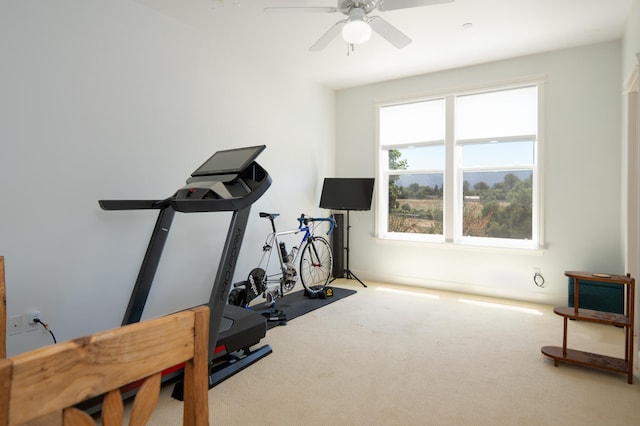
[296, 304]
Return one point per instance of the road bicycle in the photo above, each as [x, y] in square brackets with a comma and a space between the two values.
[312, 255]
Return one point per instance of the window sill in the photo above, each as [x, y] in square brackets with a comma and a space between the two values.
[462, 247]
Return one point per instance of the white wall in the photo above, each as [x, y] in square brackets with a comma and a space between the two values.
[110, 100]
[631, 41]
[582, 201]
[630, 58]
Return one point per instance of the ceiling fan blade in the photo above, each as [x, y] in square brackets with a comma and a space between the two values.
[389, 32]
[328, 36]
[405, 4]
[318, 9]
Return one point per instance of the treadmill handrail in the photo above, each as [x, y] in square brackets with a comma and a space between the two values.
[130, 204]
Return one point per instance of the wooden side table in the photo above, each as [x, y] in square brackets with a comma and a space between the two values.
[625, 320]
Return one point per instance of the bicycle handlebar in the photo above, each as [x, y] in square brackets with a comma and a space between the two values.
[304, 220]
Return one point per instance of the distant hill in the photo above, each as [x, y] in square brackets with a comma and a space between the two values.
[490, 178]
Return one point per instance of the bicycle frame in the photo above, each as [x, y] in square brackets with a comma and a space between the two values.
[273, 241]
[284, 277]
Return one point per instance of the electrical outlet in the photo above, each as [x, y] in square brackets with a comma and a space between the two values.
[15, 325]
[31, 324]
[538, 279]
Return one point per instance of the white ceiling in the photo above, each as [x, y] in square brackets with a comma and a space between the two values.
[500, 29]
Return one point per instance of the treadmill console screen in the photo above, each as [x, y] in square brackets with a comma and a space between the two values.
[229, 161]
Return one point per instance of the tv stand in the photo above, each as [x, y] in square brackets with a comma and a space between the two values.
[347, 194]
[347, 272]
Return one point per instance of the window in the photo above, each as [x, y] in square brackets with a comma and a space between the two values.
[413, 153]
[461, 168]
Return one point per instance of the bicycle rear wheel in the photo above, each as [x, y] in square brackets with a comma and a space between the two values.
[316, 263]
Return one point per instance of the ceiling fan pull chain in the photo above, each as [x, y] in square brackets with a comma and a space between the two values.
[350, 48]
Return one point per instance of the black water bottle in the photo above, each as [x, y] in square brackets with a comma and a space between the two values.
[283, 251]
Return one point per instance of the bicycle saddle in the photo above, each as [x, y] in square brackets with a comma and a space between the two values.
[269, 215]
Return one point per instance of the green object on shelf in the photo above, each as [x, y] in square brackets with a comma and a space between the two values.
[598, 296]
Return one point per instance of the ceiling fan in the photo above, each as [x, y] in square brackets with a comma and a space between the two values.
[357, 28]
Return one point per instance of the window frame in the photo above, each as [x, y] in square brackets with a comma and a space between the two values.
[453, 201]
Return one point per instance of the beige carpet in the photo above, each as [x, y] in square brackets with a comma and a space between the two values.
[381, 357]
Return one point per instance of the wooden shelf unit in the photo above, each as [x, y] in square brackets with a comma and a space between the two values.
[625, 320]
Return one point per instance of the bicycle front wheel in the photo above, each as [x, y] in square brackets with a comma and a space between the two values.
[316, 263]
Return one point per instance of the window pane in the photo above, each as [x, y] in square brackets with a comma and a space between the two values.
[496, 114]
[498, 154]
[418, 158]
[412, 123]
[415, 203]
[498, 204]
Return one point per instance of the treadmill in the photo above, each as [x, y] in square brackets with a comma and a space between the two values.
[229, 180]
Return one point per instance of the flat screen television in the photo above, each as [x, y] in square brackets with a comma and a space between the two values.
[347, 193]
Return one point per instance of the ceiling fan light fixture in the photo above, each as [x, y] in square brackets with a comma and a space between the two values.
[356, 32]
